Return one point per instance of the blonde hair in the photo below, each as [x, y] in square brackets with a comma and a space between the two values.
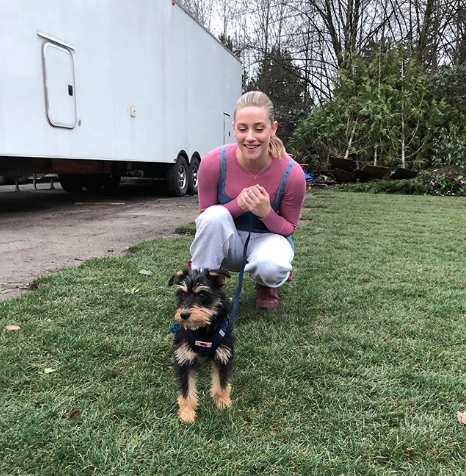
[259, 99]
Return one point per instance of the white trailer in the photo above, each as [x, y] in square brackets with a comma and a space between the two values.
[98, 89]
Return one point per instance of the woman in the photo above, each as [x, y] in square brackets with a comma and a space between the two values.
[255, 186]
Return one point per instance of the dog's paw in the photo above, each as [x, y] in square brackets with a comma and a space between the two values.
[187, 415]
[187, 408]
[222, 398]
[223, 402]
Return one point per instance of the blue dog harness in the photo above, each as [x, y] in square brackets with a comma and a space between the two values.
[207, 347]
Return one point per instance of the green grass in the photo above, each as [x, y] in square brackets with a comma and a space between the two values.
[360, 372]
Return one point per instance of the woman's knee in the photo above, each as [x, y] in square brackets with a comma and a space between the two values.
[270, 272]
[212, 215]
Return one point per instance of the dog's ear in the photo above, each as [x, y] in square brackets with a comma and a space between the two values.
[218, 276]
[178, 276]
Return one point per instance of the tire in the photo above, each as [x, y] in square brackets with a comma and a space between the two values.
[93, 182]
[177, 177]
[111, 182]
[71, 182]
[193, 171]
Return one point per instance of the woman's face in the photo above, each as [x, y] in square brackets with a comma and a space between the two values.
[253, 131]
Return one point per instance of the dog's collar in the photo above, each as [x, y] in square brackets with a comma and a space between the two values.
[205, 346]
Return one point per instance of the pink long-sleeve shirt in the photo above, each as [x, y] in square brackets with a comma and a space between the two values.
[237, 178]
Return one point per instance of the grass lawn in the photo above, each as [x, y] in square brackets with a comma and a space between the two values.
[361, 371]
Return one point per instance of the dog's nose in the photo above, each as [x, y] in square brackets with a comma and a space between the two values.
[185, 314]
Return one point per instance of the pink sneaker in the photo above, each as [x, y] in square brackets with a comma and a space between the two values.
[266, 298]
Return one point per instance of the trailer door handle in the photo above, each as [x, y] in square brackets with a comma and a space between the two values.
[70, 89]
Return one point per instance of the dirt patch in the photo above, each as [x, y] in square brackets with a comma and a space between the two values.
[45, 230]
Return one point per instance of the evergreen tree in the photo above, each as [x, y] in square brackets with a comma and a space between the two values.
[281, 80]
[381, 111]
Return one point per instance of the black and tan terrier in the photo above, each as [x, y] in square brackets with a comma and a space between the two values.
[203, 330]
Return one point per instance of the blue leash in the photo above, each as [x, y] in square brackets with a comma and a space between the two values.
[240, 282]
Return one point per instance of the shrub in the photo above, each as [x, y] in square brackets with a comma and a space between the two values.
[404, 187]
[444, 184]
[449, 148]
[428, 182]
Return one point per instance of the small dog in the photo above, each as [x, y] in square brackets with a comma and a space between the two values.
[204, 331]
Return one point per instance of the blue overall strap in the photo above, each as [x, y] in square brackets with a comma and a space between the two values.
[221, 194]
[281, 187]
[281, 190]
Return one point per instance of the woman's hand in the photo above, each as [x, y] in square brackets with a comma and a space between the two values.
[256, 200]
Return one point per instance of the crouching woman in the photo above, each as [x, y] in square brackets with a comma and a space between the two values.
[253, 185]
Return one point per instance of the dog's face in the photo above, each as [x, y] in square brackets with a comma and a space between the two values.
[200, 295]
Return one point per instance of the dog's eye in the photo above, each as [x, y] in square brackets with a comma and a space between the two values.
[202, 295]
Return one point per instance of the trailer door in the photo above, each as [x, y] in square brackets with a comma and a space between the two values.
[59, 85]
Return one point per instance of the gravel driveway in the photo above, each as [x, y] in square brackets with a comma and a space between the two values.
[44, 230]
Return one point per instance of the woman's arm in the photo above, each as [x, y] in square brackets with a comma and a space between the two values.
[291, 204]
[209, 178]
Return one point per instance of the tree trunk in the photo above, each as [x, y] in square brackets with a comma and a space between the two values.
[350, 142]
[403, 144]
[403, 138]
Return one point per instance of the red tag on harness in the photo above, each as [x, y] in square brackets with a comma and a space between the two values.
[201, 343]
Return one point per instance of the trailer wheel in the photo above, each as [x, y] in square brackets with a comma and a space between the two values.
[93, 182]
[177, 177]
[111, 182]
[193, 171]
[71, 182]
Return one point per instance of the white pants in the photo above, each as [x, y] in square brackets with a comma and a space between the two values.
[219, 244]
